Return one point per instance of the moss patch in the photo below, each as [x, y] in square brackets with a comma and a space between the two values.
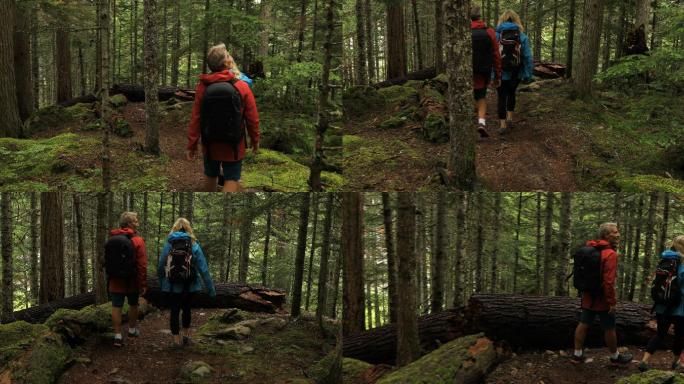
[435, 128]
[147, 175]
[399, 94]
[16, 337]
[45, 361]
[62, 161]
[653, 377]
[359, 100]
[393, 122]
[275, 171]
[57, 117]
[118, 100]
[352, 368]
[649, 183]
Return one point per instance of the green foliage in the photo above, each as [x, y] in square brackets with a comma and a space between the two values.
[119, 100]
[399, 94]
[290, 134]
[56, 117]
[17, 337]
[290, 89]
[435, 128]
[664, 67]
[653, 377]
[360, 100]
[274, 171]
[393, 122]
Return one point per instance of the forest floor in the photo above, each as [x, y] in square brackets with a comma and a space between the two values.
[556, 144]
[554, 367]
[278, 357]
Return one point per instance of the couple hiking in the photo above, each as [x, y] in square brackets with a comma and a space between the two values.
[595, 272]
[223, 109]
[181, 263]
[501, 59]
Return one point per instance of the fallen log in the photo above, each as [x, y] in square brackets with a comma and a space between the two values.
[136, 93]
[81, 99]
[524, 322]
[252, 298]
[546, 70]
[423, 74]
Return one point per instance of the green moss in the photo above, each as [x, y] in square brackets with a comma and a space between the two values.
[93, 318]
[399, 94]
[442, 78]
[649, 183]
[653, 377]
[80, 112]
[275, 171]
[118, 100]
[415, 84]
[446, 365]
[31, 163]
[359, 100]
[122, 128]
[350, 141]
[435, 128]
[17, 337]
[148, 175]
[393, 122]
[352, 368]
[433, 94]
[45, 362]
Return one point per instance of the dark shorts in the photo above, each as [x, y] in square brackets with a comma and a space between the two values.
[607, 320]
[118, 299]
[231, 169]
[481, 93]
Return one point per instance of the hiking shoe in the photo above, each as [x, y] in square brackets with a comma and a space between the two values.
[504, 130]
[622, 359]
[643, 366]
[133, 333]
[118, 342]
[482, 130]
[577, 359]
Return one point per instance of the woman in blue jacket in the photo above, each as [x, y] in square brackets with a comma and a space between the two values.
[517, 65]
[181, 263]
[669, 315]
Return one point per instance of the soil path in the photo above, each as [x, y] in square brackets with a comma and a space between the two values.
[536, 155]
[554, 367]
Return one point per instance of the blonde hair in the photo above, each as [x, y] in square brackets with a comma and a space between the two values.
[511, 15]
[232, 66]
[678, 244]
[605, 229]
[216, 57]
[127, 218]
[183, 225]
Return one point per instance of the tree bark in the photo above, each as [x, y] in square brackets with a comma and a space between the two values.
[51, 247]
[267, 240]
[565, 241]
[175, 44]
[548, 248]
[643, 12]
[9, 107]
[63, 61]
[360, 49]
[205, 40]
[589, 52]
[666, 219]
[648, 245]
[516, 260]
[538, 18]
[22, 61]
[538, 253]
[322, 295]
[438, 270]
[369, 23]
[352, 251]
[82, 263]
[7, 249]
[99, 282]
[439, 40]
[459, 251]
[301, 255]
[312, 254]
[408, 342]
[570, 37]
[396, 40]
[495, 241]
[635, 255]
[245, 238]
[34, 248]
[151, 79]
[419, 46]
[389, 251]
[479, 243]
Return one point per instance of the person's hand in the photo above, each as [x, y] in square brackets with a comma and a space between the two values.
[612, 309]
[190, 154]
[255, 148]
[143, 292]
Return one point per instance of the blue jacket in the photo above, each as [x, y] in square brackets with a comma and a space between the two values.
[527, 68]
[246, 79]
[678, 310]
[198, 261]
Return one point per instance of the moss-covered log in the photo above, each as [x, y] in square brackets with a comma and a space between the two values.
[422, 74]
[243, 296]
[465, 361]
[549, 70]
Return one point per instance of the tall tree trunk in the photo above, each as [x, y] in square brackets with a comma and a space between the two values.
[389, 250]
[34, 248]
[205, 40]
[369, 23]
[165, 42]
[63, 61]
[51, 247]
[459, 70]
[10, 123]
[591, 37]
[7, 246]
[352, 251]
[479, 243]
[421, 247]
[176, 43]
[495, 241]
[666, 219]
[440, 257]
[635, 256]
[301, 255]
[439, 40]
[35, 57]
[264, 265]
[516, 262]
[228, 234]
[396, 40]
[419, 46]
[555, 29]
[151, 79]
[325, 256]
[82, 263]
[565, 241]
[643, 13]
[22, 61]
[100, 285]
[103, 81]
[538, 254]
[264, 38]
[570, 38]
[360, 49]
[312, 254]
[136, 67]
[245, 238]
[460, 237]
[648, 244]
[302, 28]
[408, 343]
[548, 249]
[538, 18]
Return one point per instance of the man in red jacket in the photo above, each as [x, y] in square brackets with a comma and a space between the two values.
[486, 59]
[604, 305]
[219, 154]
[131, 288]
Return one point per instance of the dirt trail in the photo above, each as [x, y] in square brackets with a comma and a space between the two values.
[536, 155]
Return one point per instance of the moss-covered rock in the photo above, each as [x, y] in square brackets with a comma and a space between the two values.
[435, 128]
[393, 122]
[466, 359]
[322, 368]
[43, 363]
[118, 100]
[399, 94]
[359, 100]
[57, 117]
[80, 112]
[79, 324]
[16, 337]
[196, 371]
[122, 128]
[352, 368]
[653, 377]
[275, 171]
[648, 183]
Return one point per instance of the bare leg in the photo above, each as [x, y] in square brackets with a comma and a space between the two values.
[611, 340]
[210, 183]
[132, 316]
[482, 108]
[580, 335]
[646, 358]
[116, 319]
[231, 186]
[509, 115]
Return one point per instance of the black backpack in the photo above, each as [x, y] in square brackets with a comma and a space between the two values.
[221, 115]
[587, 270]
[509, 48]
[482, 52]
[120, 257]
[665, 285]
[179, 263]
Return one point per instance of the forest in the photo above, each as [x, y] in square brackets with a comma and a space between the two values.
[91, 87]
[601, 112]
[274, 259]
[445, 274]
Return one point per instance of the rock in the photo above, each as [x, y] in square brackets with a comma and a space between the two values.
[230, 316]
[196, 370]
[119, 380]
[118, 100]
[393, 122]
[402, 94]
[359, 100]
[435, 128]
[653, 377]
[83, 360]
[114, 371]
[251, 324]
[275, 323]
[236, 332]
[247, 349]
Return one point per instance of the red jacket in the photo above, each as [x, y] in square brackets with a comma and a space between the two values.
[224, 151]
[121, 285]
[479, 80]
[609, 259]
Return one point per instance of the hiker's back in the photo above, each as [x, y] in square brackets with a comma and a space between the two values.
[221, 115]
[598, 301]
